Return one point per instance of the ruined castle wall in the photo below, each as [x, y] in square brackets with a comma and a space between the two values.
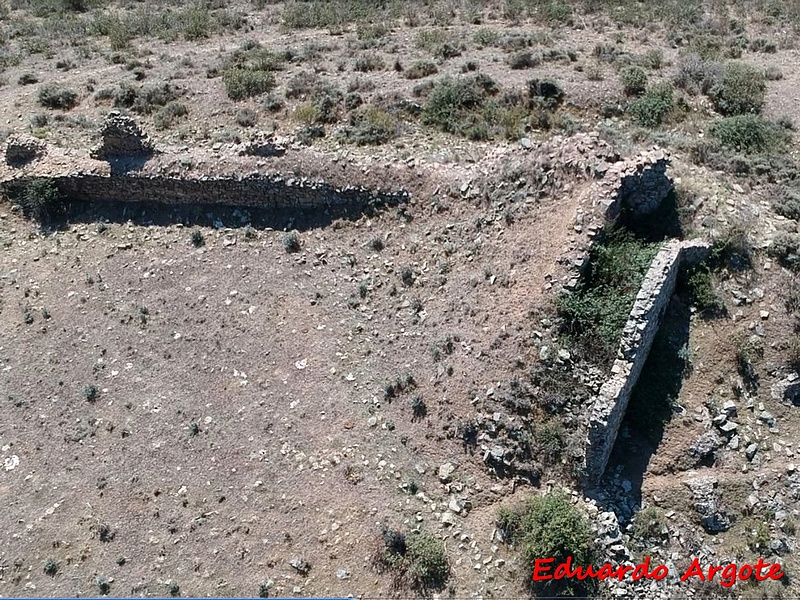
[635, 343]
[256, 191]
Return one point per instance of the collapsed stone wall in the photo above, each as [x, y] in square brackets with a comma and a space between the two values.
[638, 184]
[608, 408]
[256, 191]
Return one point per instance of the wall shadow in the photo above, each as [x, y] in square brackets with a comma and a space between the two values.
[73, 211]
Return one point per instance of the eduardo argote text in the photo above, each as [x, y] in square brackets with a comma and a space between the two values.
[726, 575]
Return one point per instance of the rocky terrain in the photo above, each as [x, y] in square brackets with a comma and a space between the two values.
[311, 302]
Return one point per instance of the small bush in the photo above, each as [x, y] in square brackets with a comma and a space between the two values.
[104, 585]
[653, 59]
[418, 407]
[545, 93]
[793, 352]
[420, 69]
[39, 198]
[27, 79]
[372, 126]
[697, 75]
[197, 238]
[368, 62]
[773, 73]
[453, 106]
[50, 567]
[246, 117]
[750, 134]
[654, 106]
[55, 96]
[550, 526]
[649, 523]
[788, 203]
[704, 297]
[749, 352]
[485, 37]
[169, 115]
[90, 392]
[634, 81]
[741, 90]
[524, 60]
[241, 83]
[291, 242]
[786, 249]
[427, 566]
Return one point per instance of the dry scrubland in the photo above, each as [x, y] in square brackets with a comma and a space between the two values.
[216, 401]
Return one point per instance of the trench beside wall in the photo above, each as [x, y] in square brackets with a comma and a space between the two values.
[640, 330]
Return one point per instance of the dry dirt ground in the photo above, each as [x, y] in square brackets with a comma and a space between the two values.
[240, 419]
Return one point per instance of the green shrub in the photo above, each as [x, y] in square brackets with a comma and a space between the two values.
[634, 81]
[654, 106]
[427, 566]
[550, 440]
[371, 126]
[169, 114]
[143, 100]
[39, 198]
[649, 523]
[368, 62]
[50, 567]
[788, 203]
[417, 560]
[793, 351]
[741, 90]
[749, 351]
[786, 249]
[653, 59]
[485, 37]
[524, 60]
[197, 238]
[551, 527]
[420, 69]
[704, 297]
[454, 106]
[90, 392]
[241, 83]
[196, 23]
[750, 134]
[56, 96]
[697, 75]
[545, 93]
[291, 242]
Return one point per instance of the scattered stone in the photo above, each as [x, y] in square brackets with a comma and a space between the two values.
[342, 574]
[750, 451]
[706, 445]
[300, 565]
[446, 470]
[713, 517]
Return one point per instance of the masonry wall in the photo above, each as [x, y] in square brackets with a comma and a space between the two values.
[636, 340]
[256, 191]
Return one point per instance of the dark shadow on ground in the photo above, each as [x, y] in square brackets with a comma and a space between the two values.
[651, 407]
[664, 223]
[211, 215]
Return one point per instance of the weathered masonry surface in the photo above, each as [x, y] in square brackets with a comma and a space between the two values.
[268, 192]
[637, 338]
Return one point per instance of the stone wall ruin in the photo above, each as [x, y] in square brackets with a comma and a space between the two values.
[608, 408]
